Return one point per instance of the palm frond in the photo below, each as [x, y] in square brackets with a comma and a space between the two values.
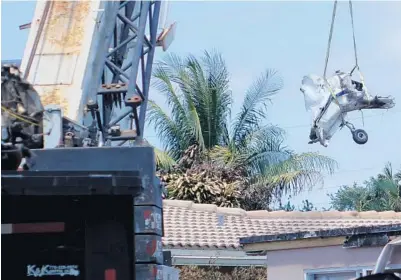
[392, 193]
[222, 156]
[173, 70]
[174, 138]
[294, 181]
[162, 82]
[387, 172]
[263, 147]
[185, 83]
[196, 125]
[210, 94]
[225, 136]
[173, 65]
[163, 160]
[253, 109]
[397, 176]
[297, 173]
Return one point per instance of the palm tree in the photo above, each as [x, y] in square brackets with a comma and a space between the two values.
[200, 102]
[357, 198]
[389, 184]
[379, 193]
[198, 95]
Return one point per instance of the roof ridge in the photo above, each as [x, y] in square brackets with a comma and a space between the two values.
[281, 214]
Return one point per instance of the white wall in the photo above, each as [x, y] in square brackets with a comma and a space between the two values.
[291, 264]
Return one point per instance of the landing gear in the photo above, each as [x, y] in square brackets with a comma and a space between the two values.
[358, 135]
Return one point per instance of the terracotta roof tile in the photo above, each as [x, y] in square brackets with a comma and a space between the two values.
[187, 224]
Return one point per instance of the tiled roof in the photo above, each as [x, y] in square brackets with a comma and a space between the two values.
[187, 224]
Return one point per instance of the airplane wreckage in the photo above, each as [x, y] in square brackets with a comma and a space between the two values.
[330, 99]
[329, 102]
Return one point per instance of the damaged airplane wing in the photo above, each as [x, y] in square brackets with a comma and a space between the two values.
[329, 100]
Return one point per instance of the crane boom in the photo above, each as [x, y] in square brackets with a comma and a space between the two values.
[90, 63]
[95, 55]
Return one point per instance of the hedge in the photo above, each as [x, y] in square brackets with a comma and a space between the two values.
[216, 273]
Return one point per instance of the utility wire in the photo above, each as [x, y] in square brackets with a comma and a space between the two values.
[308, 125]
[352, 119]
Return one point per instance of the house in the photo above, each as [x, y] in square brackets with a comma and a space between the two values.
[292, 245]
[328, 254]
[204, 234]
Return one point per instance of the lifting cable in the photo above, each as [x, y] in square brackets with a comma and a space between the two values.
[333, 18]
[356, 53]
[353, 36]
[356, 59]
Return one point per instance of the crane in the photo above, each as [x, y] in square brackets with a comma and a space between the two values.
[86, 70]
[90, 63]
[94, 60]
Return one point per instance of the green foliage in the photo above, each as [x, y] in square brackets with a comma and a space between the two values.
[202, 187]
[380, 193]
[358, 198]
[198, 95]
[215, 273]
[163, 160]
[306, 206]
[286, 207]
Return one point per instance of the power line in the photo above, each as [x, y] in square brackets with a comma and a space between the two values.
[308, 125]
[352, 119]
[341, 171]
[354, 170]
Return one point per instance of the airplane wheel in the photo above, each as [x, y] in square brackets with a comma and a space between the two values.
[360, 136]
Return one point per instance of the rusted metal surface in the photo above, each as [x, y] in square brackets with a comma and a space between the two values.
[109, 86]
[66, 24]
[61, 55]
[53, 95]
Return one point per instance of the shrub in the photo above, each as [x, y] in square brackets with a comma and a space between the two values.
[216, 273]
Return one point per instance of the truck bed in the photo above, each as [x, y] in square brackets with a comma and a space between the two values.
[76, 224]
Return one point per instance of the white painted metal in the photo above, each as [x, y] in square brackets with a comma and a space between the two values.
[64, 74]
[167, 36]
[52, 126]
[331, 273]
[6, 228]
[311, 274]
[215, 257]
[385, 255]
[164, 11]
[61, 57]
[335, 276]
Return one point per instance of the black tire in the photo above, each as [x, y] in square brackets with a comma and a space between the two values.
[360, 136]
